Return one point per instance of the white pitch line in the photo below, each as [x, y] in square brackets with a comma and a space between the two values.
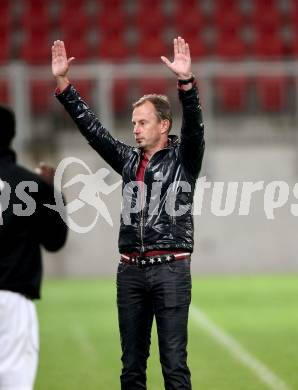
[82, 338]
[223, 338]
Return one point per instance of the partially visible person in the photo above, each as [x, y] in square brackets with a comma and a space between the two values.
[26, 225]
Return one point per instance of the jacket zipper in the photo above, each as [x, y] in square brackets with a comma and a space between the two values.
[142, 204]
[142, 212]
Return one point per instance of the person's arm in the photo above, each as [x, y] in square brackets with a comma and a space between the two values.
[192, 132]
[111, 150]
[50, 226]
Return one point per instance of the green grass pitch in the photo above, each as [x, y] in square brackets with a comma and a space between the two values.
[80, 347]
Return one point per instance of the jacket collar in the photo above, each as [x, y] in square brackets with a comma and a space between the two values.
[7, 155]
[173, 141]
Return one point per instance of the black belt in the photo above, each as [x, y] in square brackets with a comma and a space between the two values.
[148, 261]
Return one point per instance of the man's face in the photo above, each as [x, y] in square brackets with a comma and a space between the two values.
[147, 128]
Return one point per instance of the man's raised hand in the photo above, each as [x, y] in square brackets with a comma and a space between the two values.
[60, 64]
[181, 64]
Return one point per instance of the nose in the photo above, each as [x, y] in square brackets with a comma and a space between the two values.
[136, 129]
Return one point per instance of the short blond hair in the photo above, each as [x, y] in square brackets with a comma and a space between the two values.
[161, 104]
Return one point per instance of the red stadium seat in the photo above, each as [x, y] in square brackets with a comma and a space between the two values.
[272, 92]
[192, 22]
[113, 47]
[74, 25]
[111, 6]
[36, 3]
[80, 49]
[6, 31]
[227, 18]
[230, 46]
[36, 28]
[231, 92]
[224, 5]
[41, 96]
[74, 29]
[150, 47]
[268, 46]
[153, 85]
[263, 5]
[293, 19]
[35, 23]
[75, 35]
[111, 21]
[293, 13]
[185, 6]
[4, 93]
[197, 44]
[36, 49]
[6, 13]
[35, 19]
[150, 20]
[121, 89]
[293, 49]
[269, 20]
[72, 9]
[145, 4]
[5, 44]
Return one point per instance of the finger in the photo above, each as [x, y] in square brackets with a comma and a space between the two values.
[182, 42]
[70, 60]
[175, 46]
[166, 61]
[62, 51]
[187, 50]
[56, 48]
[54, 51]
[63, 48]
[179, 45]
[59, 46]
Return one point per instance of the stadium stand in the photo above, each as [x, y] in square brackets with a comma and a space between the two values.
[5, 31]
[271, 92]
[231, 92]
[4, 93]
[124, 31]
[41, 95]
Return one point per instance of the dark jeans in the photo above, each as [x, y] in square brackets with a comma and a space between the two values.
[163, 291]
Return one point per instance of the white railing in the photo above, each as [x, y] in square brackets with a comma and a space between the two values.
[104, 74]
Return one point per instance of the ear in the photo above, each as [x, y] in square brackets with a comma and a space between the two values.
[165, 124]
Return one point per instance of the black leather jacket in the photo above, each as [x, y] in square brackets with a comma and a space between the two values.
[21, 237]
[161, 219]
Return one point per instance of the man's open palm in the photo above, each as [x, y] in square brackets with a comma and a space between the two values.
[60, 63]
[181, 64]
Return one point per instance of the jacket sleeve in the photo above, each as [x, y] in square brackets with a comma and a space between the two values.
[50, 226]
[110, 149]
[192, 144]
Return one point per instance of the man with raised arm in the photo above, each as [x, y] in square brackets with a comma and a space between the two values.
[156, 232]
